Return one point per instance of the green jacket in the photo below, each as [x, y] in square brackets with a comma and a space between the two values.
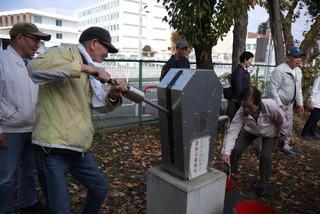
[63, 115]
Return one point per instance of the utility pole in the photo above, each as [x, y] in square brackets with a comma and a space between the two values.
[140, 30]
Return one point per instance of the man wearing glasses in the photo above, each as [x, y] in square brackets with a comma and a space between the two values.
[70, 78]
[285, 88]
[18, 98]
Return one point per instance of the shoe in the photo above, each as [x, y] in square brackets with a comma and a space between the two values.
[262, 190]
[316, 137]
[288, 151]
[307, 138]
[37, 207]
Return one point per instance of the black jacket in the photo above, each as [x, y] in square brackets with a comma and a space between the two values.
[240, 79]
[174, 62]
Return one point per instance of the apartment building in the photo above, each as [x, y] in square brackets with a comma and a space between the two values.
[132, 24]
[62, 28]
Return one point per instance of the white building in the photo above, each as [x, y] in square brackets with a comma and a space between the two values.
[222, 52]
[132, 25]
[63, 29]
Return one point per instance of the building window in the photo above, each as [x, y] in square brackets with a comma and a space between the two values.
[1, 25]
[18, 18]
[6, 21]
[12, 21]
[254, 46]
[59, 35]
[38, 19]
[58, 22]
[24, 18]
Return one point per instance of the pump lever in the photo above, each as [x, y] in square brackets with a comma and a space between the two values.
[137, 96]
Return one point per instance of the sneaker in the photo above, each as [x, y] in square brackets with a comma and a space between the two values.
[307, 138]
[37, 207]
[288, 151]
[262, 190]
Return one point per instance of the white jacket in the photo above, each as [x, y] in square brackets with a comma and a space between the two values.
[271, 122]
[285, 85]
[18, 94]
[315, 93]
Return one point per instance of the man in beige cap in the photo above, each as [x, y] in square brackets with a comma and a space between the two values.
[18, 97]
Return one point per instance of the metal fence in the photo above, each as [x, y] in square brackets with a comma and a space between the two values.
[144, 74]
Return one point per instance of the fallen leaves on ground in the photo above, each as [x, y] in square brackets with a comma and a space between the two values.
[125, 156]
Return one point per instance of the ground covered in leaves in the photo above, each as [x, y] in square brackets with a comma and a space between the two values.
[125, 156]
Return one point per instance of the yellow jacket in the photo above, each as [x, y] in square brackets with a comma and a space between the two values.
[63, 115]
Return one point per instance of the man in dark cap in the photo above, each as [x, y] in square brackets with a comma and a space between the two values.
[177, 60]
[285, 88]
[18, 98]
[70, 85]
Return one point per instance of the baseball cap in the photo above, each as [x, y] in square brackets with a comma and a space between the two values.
[181, 43]
[295, 52]
[100, 34]
[28, 29]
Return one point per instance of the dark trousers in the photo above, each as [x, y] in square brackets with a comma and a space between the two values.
[244, 140]
[310, 127]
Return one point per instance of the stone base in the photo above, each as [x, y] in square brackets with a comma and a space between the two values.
[167, 194]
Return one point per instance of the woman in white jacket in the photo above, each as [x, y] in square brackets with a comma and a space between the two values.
[255, 118]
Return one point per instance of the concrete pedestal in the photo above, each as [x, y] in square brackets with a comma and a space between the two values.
[167, 194]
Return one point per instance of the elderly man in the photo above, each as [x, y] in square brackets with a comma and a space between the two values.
[285, 87]
[64, 130]
[18, 98]
[179, 59]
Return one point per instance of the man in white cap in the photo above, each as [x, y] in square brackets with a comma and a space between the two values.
[179, 59]
[18, 98]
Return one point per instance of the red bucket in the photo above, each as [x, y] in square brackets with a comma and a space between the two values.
[253, 207]
[230, 184]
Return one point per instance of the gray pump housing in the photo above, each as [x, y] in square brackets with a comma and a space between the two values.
[192, 97]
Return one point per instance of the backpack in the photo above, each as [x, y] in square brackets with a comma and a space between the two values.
[228, 92]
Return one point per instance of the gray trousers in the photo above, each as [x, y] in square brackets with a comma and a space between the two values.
[289, 118]
[245, 139]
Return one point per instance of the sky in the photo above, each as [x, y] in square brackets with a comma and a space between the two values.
[256, 16]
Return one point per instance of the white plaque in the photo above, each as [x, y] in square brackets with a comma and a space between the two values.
[199, 155]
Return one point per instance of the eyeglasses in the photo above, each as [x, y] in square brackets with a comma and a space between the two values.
[33, 39]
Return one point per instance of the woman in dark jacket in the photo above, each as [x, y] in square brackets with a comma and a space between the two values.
[240, 77]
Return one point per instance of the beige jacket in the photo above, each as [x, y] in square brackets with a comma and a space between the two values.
[64, 102]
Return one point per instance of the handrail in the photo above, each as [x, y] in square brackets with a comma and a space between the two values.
[162, 61]
[145, 88]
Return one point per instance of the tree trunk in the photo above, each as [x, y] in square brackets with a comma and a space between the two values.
[276, 30]
[287, 24]
[203, 57]
[239, 38]
[309, 45]
[287, 35]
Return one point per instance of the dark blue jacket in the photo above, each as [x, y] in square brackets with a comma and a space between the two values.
[174, 62]
[240, 79]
